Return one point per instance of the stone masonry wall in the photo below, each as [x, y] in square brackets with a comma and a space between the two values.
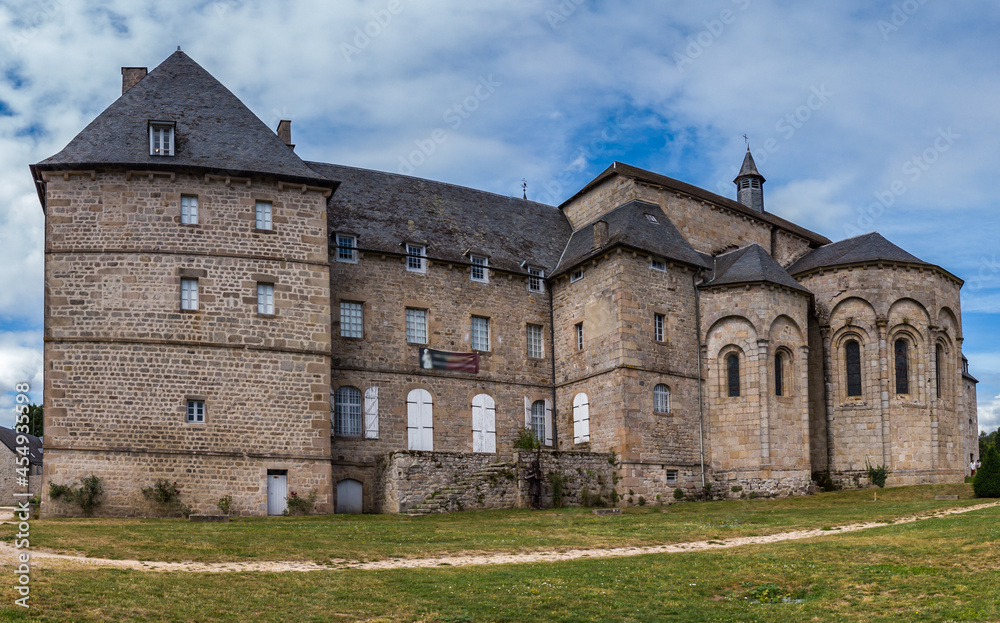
[446, 481]
[8, 479]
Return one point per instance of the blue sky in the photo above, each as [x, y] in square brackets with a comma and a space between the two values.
[862, 115]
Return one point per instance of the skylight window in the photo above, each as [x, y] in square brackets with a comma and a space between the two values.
[651, 218]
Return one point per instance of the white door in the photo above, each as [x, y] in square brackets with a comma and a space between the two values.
[349, 497]
[277, 493]
[484, 424]
[420, 420]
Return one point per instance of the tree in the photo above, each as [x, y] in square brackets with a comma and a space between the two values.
[986, 440]
[35, 420]
[986, 483]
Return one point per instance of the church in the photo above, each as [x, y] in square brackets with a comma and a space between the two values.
[228, 316]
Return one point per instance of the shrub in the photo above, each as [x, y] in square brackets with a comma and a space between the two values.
[86, 496]
[678, 493]
[302, 505]
[986, 483]
[225, 504]
[736, 488]
[825, 481]
[558, 482]
[526, 439]
[642, 501]
[876, 474]
[166, 496]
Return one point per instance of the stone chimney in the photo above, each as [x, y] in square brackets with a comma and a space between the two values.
[131, 77]
[600, 234]
[285, 132]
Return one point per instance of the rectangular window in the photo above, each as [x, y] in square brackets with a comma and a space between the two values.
[263, 216]
[189, 294]
[416, 258]
[579, 336]
[189, 210]
[535, 341]
[536, 278]
[161, 139]
[671, 476]
[658, 265]
[416, 326]
[347, 248]
[196, 411]
[659, 322]
[351, 319]
[479, 271]
[480, 333]
[265, 299]
[576, 275]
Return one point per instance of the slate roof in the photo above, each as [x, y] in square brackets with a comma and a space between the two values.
[749, 167]
[213, 130]
[386, 210]
[9, 439]
[618, 168]
[750, 264]
[629, 226]
[965, 368]
[860, 249]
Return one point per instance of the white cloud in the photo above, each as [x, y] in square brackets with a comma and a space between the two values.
[989, 414]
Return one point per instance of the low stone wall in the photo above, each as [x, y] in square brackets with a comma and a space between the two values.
[432, 482]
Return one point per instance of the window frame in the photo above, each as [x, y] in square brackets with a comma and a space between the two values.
[539, 353]
[659, 327]
[265, 299]
[479, 264]
[345, 411]
[191, 217]
[417, 313]
[901, 365]
[475, 341]
[661, 398]
[576, 275]
[578, 327]
[191, 416]
[538, 420]
[658, 265]
[733, 380]
[159, 130]
[853, 370]
[357, 327]
[263, 215]
[190, 294]
[420, 266]
[536, 279]
[351, 248]
[673, 476]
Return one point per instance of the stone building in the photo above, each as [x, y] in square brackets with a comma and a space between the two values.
[17, 467]
[221, 313]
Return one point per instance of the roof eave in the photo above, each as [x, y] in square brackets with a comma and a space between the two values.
[924, 266]
[737, 284]
[622, 245]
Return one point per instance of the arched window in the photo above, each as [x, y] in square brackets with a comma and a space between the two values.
[661, 399]
[484, 424]
[779, 365]
[538, 419]
[733, 374]
[938, 359]
[902, 367]
[348, 409]
[420, 420]
[852, 350]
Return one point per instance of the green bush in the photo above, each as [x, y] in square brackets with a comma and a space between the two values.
[678, 493]
[86, 496]
[558, 482]
[526, 439]
[876, 473]
[166, 496]
[986, 483]
[225, 504]
[302, 505]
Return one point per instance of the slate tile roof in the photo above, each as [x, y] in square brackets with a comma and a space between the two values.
[749, 167]
[628, 225]
[618, 168]
[860, 249]
[213, 130]
[9, 438]
[750, 264]
[385, 210]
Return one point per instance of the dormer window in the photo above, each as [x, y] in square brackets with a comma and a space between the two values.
[347, 248]
[161, 138]
[416, 258]
[479, 271]
[536, 279]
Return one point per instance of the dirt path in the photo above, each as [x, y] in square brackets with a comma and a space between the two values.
[49, 559]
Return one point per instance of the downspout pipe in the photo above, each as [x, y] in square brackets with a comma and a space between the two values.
[701, 400]
[552, 354]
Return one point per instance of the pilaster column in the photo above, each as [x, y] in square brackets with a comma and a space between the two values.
[883, 386]
[826, 333]
[764, 398]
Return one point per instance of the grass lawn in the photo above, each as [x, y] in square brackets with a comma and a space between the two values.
[376, 537]
[942, 569]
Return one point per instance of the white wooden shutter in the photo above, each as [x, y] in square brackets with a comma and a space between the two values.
[548, 422]
[489, 426]
[420, 420]
[527, 412]
[478, 407]
[371, 413]
[581, 418]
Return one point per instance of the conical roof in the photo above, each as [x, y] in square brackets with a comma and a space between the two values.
[213, 128]
[751, 264]
[749, 168]
[860, 249]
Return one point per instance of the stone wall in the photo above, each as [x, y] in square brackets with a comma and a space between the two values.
[122, 358]
[8, 478]
[424, 482]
